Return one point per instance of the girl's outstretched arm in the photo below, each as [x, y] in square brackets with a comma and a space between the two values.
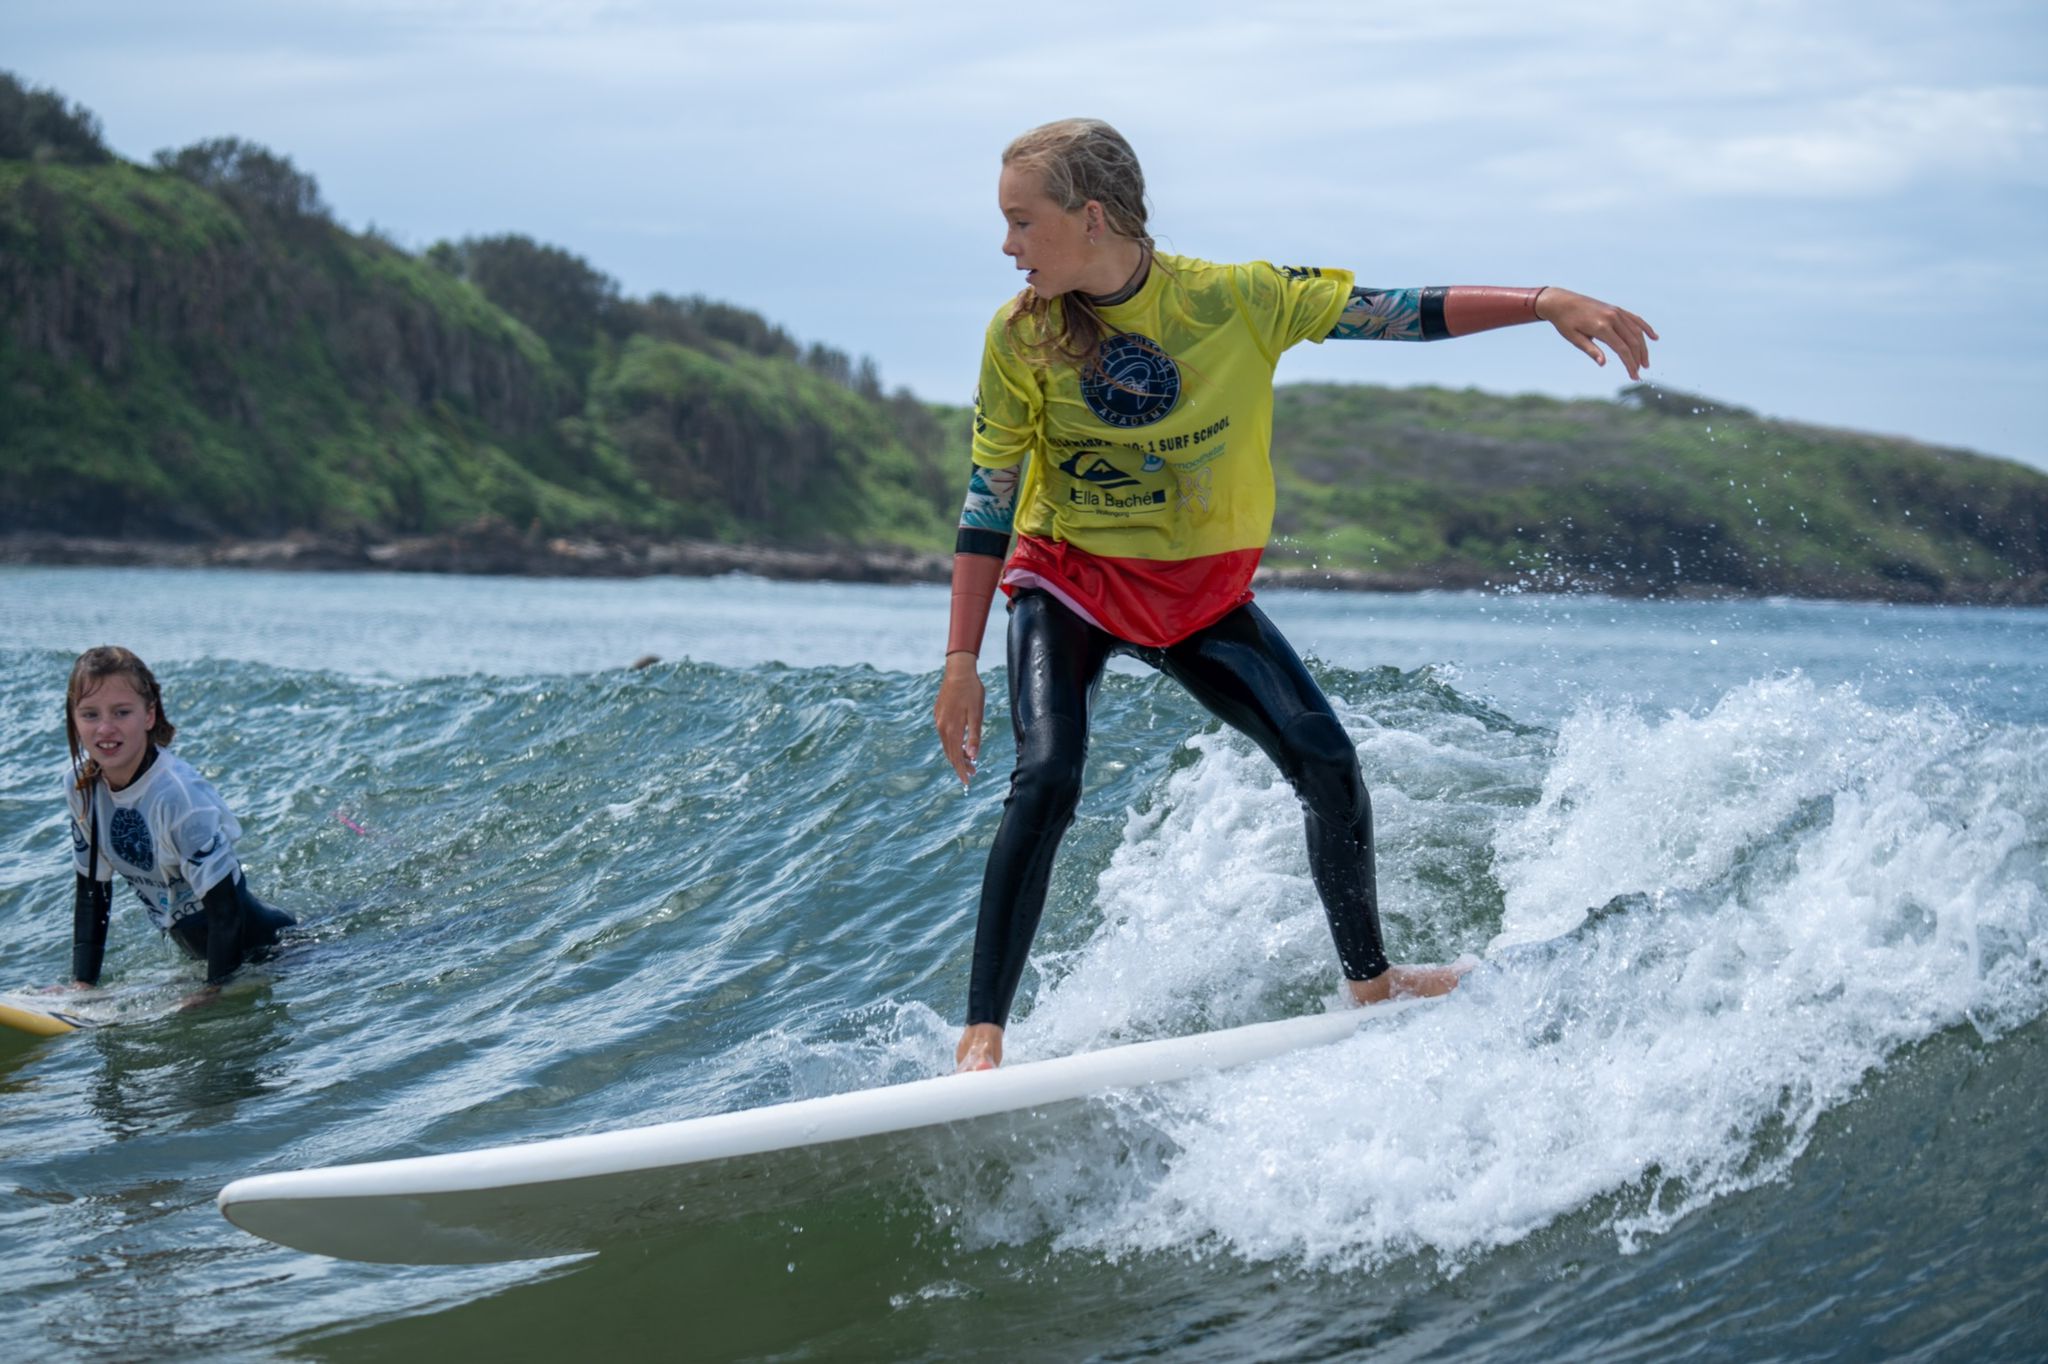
[1442, 311]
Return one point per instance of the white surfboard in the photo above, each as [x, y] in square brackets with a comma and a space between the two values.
[576, 1194]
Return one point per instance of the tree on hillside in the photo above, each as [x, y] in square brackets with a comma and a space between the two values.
[37, 125]
[699, 323]
[248, 174]
[558, 295]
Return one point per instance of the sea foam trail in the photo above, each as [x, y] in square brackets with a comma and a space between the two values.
[1703, 932]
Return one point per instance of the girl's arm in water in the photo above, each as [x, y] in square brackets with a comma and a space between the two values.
[90, 909]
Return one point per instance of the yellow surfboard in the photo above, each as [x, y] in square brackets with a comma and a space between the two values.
[27, 1013]
[50, 1013]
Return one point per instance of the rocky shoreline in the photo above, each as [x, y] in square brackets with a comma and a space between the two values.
[496, 549]
[488, 550]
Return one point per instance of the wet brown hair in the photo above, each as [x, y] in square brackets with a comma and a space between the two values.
[93, 668]
[1076, 160]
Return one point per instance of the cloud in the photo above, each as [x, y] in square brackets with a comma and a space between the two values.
[1876, 143]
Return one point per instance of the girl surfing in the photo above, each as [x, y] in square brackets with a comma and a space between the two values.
[1121, 435]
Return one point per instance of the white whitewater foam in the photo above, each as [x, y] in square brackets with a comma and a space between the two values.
[1812, 882]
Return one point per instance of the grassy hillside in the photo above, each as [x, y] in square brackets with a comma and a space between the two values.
[1652, 492]
[194, 350]
[175, 366]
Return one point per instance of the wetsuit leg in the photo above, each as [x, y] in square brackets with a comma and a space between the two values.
[190, 934]
[261, 923]
[1247, 674]
[1055, 662]
[231, 925]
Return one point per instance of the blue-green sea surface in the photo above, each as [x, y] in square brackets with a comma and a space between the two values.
[1751, 1067]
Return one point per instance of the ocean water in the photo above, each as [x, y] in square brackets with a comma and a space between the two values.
[1752, 1067]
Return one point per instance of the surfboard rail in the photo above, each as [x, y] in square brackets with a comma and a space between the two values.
[25, 1013]
[572, 1194]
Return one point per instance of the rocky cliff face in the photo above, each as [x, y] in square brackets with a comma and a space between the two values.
[181, 358]
[111, 267]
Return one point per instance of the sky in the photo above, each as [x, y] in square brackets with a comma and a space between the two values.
[1833, 211]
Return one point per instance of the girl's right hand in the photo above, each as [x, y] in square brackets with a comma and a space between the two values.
[958, 713]
[1586, 322]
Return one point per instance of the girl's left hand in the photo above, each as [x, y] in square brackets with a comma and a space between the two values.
[1586, 322]
[958, 714]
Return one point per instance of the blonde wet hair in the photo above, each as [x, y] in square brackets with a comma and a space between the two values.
[1077, 160]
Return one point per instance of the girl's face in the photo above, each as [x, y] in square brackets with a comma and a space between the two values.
[1049, 243]
[113, 724]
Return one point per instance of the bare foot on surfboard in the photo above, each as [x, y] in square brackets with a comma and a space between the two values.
[981, 1044]
[1409, 982]
[981, 1048]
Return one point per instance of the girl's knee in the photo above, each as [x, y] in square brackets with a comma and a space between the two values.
[1316, 740]
[1046, 786]
[1319, 760]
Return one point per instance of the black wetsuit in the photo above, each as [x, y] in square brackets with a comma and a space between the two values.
[232, 925]
[1245, 672]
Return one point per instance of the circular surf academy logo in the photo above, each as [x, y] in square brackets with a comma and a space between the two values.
[129, 833]
[1137, 384]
